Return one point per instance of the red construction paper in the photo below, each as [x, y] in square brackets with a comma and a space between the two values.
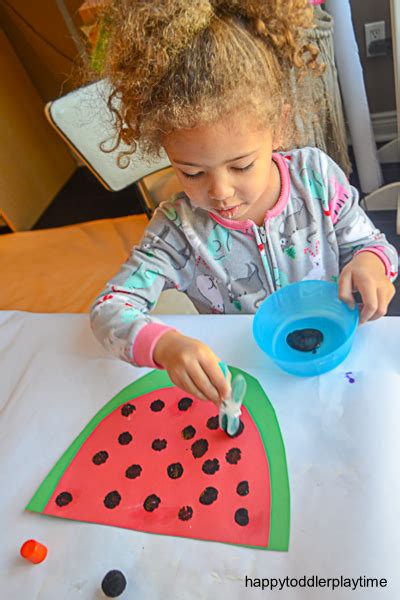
[89, 484]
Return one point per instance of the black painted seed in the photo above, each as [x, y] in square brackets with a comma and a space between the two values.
[210, 466]
[159, 444]
[242, 517]
[213, 423]
[157, 405]
[113, 584]
[175, 470]
[185, 403]
[239, 431]
[125, 438]
[208, 496]
[233, 456]
[188, 433]
[199, 448]
[63, 499]
[151, 503]
[112, 499]
[100, 458]
[133, 471]
[243, 488]
[127, 409]
[185, 513]
[305, 340]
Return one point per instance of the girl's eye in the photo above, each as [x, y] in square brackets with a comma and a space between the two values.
[191, 176]
[246, 168]
[194, 175]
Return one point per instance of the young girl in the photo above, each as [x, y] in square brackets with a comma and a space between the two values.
[211, 83]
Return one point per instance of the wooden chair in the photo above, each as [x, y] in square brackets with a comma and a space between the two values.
[63, 269]
[84, 122]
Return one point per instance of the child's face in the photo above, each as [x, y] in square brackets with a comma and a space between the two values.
[226, 168]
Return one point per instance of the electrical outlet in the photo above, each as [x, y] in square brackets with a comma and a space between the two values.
[375, 32]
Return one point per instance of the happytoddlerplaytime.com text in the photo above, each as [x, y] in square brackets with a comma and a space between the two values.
[314, 581]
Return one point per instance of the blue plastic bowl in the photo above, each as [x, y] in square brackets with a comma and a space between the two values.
[306, 305]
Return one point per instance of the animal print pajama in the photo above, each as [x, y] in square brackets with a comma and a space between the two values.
[230, 267]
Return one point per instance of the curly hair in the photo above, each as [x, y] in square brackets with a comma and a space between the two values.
[176, 64]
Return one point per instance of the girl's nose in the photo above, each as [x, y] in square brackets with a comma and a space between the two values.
[219, 189]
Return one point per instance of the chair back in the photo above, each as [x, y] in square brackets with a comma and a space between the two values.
[84, 121]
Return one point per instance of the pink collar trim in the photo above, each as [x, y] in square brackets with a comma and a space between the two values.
[275, 210]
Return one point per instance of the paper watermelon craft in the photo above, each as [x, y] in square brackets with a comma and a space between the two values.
[153, 459]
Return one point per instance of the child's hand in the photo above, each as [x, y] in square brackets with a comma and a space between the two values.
[366, 273]
[192, 366]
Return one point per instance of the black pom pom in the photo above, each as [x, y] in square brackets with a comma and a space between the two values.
[113, 584]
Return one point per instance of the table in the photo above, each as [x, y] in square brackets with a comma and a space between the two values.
[342, 445]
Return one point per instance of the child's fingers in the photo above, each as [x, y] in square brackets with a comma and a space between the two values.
[346, 288]
[385, 295]
[195, 376]
[200, 378]
[217, 378]
[185, 382]
[369, 296]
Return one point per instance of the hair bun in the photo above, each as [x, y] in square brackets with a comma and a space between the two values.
[191, 17]
[173, 18]
[146, 37]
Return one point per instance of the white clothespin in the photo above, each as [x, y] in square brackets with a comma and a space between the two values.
[230, 408]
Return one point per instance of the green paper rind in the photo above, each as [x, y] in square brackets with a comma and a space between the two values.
[262, 412]
[144, 385]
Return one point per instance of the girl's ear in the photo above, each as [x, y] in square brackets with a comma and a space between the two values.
[280, 137]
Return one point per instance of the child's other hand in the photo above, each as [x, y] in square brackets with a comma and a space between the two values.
[191, 366]
[365, 273]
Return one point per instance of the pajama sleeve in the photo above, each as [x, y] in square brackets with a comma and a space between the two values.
[355, 232]
[120, 316]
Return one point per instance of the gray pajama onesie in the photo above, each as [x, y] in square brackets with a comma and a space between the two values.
[230, 267]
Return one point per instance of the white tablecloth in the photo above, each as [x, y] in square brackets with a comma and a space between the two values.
[342, 444]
